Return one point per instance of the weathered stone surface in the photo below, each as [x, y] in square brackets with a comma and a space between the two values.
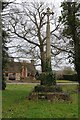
[50, 96]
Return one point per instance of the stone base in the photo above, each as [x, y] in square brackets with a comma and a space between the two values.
[49, 96]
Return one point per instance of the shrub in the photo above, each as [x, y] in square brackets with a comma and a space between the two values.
[47, 78]
[72, 77]
[3, 83]
[42, 88]
[39, 88]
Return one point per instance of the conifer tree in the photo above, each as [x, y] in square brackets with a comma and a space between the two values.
[4, 50]
[71, 21]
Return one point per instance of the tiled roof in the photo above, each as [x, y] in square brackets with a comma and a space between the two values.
[14, 67]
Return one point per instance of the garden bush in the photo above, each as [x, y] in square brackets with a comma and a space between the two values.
[72, 77]
[47, 78]
[3, 82]
[42, 88]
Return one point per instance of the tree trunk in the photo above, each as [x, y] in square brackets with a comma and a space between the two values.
[77, 59]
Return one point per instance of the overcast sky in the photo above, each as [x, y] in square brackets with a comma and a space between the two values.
[57, 9]
[55, 2]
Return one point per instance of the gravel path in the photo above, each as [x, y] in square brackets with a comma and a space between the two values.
[39, 83]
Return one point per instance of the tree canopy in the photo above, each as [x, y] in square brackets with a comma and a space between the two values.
[26, 25]
[71, 30]
[4, 47]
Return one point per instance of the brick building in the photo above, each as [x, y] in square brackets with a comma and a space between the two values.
[19, 70]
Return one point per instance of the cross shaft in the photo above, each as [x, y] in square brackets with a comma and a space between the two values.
[48, 43]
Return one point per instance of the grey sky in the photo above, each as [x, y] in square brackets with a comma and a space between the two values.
[57, 9]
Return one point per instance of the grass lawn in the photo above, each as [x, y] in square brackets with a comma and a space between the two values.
[16, 105]
[64, 81]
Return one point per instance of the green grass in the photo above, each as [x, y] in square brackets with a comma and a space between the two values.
[64, 81]
[16, 105]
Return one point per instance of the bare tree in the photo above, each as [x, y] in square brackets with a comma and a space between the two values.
[27, 22]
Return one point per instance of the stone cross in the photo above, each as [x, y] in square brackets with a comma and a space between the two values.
[48, 43]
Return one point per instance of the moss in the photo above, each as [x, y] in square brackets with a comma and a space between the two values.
[45, 88]
[47, 78]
